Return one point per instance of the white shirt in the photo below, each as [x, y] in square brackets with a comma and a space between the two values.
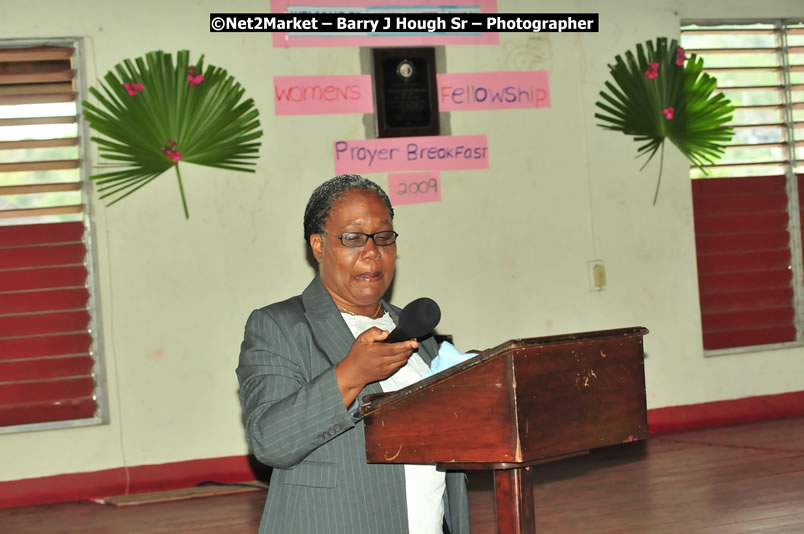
[424, 485]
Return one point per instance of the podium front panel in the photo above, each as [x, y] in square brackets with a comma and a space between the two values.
[580, 396]
[466, 417]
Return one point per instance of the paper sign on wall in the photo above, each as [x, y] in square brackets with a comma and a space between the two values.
[414, 187]
[493, 90]
[431, 153]
[320, 95]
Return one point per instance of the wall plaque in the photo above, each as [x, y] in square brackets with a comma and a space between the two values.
[405, 90]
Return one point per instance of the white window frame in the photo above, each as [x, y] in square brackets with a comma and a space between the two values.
[791, 186]
[91, 259]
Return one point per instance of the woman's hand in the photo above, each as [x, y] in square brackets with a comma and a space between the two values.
[370, 361]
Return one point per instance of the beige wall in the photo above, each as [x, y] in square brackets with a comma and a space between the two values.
[505, 253]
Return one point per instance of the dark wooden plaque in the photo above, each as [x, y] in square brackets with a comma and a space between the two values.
[405, 92]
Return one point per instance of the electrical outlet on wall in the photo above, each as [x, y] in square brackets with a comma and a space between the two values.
[596, 270]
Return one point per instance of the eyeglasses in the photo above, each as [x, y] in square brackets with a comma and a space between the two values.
[359, 239]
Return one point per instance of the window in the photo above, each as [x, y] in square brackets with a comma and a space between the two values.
[747, 209]
[50, 371]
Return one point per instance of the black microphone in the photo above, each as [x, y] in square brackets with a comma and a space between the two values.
[416, 320]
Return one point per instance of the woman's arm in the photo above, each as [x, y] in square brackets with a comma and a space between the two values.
[287, 415]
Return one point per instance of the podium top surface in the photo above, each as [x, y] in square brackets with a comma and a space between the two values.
[374, 402]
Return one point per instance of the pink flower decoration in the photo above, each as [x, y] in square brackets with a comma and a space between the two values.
[133, 88]
[668, 112]
[171, 152]
[680, 56]
[653, 70]
[194, 79]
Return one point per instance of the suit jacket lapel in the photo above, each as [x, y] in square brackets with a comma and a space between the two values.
[428, 348]
[329, 330]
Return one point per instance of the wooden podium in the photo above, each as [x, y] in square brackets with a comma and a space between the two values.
[521, 403]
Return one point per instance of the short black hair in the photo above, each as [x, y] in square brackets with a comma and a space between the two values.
[323, 198]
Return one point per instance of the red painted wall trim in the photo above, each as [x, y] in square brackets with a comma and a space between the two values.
[124, 481]
[62, 488]
[728, 412]
[177, 475]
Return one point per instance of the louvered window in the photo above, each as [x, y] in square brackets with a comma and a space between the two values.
[747, 209]
[50, 371]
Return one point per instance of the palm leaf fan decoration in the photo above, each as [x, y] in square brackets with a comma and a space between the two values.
[660, 94]
[152, 114]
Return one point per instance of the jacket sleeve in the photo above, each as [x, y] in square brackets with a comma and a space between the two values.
[286, 413]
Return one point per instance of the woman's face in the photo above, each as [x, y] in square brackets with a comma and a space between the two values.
[356, 278]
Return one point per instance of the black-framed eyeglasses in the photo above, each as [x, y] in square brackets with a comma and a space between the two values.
[359, 239]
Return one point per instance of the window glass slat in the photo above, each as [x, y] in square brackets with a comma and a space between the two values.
[39, 53]
[45, 278]
[43, 98]
[741, 203]
[711, 284]
[739, 319]
[36, 234]
[747, 337]
[30, 213]
[38, 143]
[36, 89]
[31, 121]
[773, 260]
[44, 301]
[770, 298]
[42, 256]
[45, 346]
[60, 164]
[45, 391]
[11, 78]
[755, 242]
[45, 369]
[39, 188]
[46, 412]
[43, 324]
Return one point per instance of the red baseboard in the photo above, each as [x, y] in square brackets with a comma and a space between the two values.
[124, 481]
[728, 412]
[178, 475]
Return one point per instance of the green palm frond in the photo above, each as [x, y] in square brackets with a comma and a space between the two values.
[637, 105]
[206, 122]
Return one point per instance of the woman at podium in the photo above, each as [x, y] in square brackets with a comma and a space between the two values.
[304, 365]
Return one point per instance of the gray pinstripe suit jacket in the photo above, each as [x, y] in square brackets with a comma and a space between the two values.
[297, 423]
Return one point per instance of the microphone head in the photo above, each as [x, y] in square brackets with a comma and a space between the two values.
[419, 318]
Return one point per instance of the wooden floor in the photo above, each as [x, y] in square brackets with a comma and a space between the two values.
[741, 479]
